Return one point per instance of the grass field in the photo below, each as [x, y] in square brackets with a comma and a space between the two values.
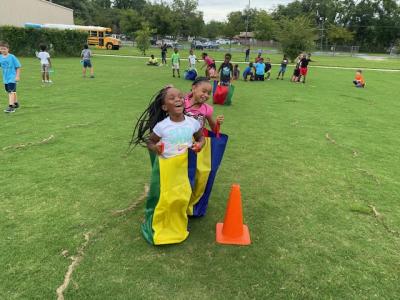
[317, 164]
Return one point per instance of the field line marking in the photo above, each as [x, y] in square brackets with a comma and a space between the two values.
[236, 62]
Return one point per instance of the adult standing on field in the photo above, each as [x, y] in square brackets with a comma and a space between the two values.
[163, 53]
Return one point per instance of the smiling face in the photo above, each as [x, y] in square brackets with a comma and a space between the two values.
[4, 50]
[201, 92]
[173, 104]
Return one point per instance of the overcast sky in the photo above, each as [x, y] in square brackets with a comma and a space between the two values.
[218, 9]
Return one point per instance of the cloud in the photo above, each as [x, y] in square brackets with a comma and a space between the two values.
[218, 10]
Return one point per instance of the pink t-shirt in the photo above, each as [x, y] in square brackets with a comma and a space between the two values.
[199, 113]
[208, 60]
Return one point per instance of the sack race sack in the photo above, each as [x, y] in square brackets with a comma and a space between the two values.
[170, 191]
[222, 95]
[207, 162]
[190, 74]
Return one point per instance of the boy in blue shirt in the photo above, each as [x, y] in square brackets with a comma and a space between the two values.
[248, 72]
[260, 70]
[10, 67]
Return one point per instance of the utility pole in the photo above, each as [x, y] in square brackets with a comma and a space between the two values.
[247, 24]
[322, 31]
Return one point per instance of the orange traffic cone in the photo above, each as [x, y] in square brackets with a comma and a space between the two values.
[233, 231]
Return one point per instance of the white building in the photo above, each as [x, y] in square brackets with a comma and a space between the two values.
[19, 12]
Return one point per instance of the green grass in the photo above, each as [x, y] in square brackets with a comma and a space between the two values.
[343, 61]
[305, 197]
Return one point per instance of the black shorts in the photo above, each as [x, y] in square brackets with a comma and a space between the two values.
[259, 77]
[87, 64]
[10, 87]
[296, 72]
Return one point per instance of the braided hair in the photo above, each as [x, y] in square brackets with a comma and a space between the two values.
[149, 118]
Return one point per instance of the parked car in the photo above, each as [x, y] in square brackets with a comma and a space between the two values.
[211, 45]
[198, 45]
[169, 43]
[223, 42]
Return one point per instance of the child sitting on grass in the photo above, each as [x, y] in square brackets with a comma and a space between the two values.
[248, 72]
[152, 61]
[359, 80]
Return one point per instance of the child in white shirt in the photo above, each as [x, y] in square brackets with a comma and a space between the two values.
[45, 63]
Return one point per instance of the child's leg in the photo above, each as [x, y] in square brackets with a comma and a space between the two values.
[91, 72]
[173, 72]
[84, 72]
[43, 73]
[179, 75]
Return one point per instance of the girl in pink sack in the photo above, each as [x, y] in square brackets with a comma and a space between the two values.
[209, 63]
[196, 106]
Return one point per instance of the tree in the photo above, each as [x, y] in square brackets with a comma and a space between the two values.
[265, 26]
[189, 20]
[213, 29]
[296, 35]
[161, 18]
[131, 21]
[143, 37]
[130, 4]
[339, 35]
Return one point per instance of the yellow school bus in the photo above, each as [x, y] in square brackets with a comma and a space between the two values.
[100, 37]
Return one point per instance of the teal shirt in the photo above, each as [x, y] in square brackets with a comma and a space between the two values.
[9, 65]
[175, 58]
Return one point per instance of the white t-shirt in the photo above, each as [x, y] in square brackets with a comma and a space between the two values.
[176, 136]
[192, 60]
[44, 57]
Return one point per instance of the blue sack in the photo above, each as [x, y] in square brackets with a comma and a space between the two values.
[190, 74]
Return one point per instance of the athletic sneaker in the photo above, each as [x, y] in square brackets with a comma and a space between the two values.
[16, 105]
[91, 76]
[9, 109]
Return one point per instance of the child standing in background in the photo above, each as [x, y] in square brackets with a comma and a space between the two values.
[236, 72]
[282, 69]
[226, 70]
[45, 63]
[10, 67]
[86, 56]
[176, 60]
[192, 60]
[268, 68]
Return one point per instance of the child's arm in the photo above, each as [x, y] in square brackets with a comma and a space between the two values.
[17, 74]
[199, 138]
[49, 62]
[153, 144]
[212, 123]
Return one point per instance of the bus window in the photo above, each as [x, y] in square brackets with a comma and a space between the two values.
[93, 33]
[101, 34]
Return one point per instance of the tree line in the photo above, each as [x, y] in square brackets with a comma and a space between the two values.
[373, 25]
